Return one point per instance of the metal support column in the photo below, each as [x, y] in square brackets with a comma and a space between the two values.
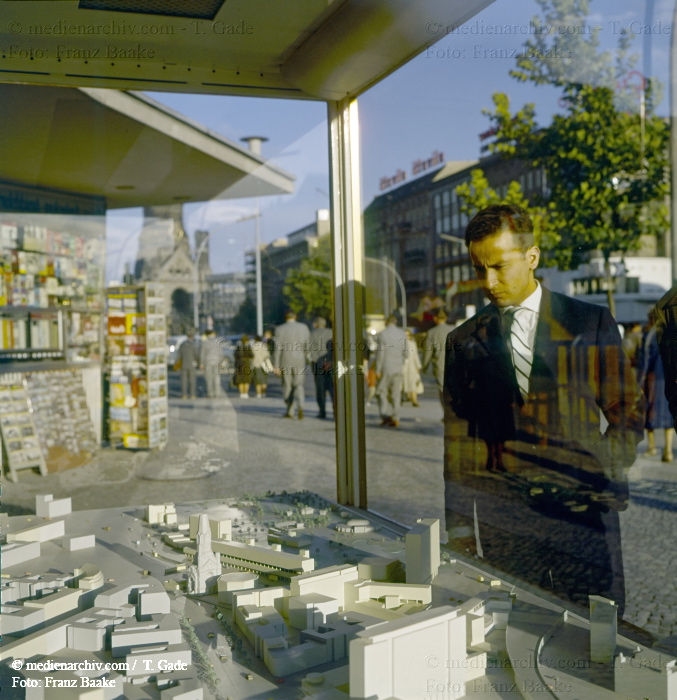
[348, 322]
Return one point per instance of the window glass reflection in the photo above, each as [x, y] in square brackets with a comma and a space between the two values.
[619, 262]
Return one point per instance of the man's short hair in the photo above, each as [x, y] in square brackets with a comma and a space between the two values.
[392, 319]
[320, 322]
[441, 314]
[497, 218]
[289, 316]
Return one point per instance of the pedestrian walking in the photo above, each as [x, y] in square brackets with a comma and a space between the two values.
[210, 359]
[187, 361]
[243, 370]
[651, 377]
[392, 351]
[289, 361]
[412, 385]
[320, 336]
[261, 366]
[433, 349]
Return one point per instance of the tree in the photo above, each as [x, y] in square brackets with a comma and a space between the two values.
[308, 290]
[605, 159]
[244, 320]
[606, 171]
[565, 48]
[477, 194]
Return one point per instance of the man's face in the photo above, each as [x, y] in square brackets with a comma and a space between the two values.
[506, 273]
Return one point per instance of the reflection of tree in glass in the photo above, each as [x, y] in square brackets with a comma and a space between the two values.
[605, 158]
[307, 289]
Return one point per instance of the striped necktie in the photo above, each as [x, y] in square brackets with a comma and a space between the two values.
[522, 354]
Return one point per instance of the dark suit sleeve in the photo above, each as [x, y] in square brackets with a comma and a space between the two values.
[666, 332]
[622, 403]
[455, 388]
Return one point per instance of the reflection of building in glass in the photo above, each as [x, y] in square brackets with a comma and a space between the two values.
[410, 225]
[165, 256]
[223, 298]
[278, 258]
[407, 225]
[398, 229]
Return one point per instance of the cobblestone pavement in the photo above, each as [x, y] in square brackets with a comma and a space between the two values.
[231, 446]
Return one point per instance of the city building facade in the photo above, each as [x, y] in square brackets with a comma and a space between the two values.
[278, 259]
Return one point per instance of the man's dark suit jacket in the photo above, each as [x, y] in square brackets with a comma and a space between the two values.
[551, 517]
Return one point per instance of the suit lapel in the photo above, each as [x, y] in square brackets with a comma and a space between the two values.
[489, 334]
[550, 335]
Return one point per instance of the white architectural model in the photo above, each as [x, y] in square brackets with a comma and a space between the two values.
[47, 507]
[450, 632]
[423, 551]
[394, 659]
[603, 629]
[202, 575]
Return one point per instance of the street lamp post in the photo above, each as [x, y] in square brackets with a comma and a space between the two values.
[400, 282]
[257, 263]
[196, 294]
[254, 143]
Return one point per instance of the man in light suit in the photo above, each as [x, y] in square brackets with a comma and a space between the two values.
[289, 361]
[533, 483]
[392, 350]
[433, 349]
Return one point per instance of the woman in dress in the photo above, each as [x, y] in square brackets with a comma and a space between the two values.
[243, 371]
[651, 378]
[260, 365]
[412, 385]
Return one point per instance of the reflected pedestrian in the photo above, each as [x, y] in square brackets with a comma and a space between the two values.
[392, 351]
[289, 360]
[261, 366]
[412, 385]
[243, 370]
[188, 360]
[210, 358]
[531, 484]
[317, 355]
[651, 377]
[433, 354]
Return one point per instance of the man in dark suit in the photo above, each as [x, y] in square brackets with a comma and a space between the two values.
[534, 480]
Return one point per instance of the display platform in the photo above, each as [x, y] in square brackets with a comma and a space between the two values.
[287, 596]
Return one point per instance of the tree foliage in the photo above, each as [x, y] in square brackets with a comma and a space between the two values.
[606, 171]
[477, 194]
[565, 48]
[244, 320]
[605, 158]
[308, 290]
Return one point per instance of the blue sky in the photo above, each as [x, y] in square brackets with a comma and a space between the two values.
[433, 103]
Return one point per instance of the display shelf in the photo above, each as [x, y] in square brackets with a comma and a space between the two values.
[66, 433]
[51, 292]
[20, 439]
[136, 366]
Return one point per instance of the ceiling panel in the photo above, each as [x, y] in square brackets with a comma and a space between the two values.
[124, 147]
[311, 49]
